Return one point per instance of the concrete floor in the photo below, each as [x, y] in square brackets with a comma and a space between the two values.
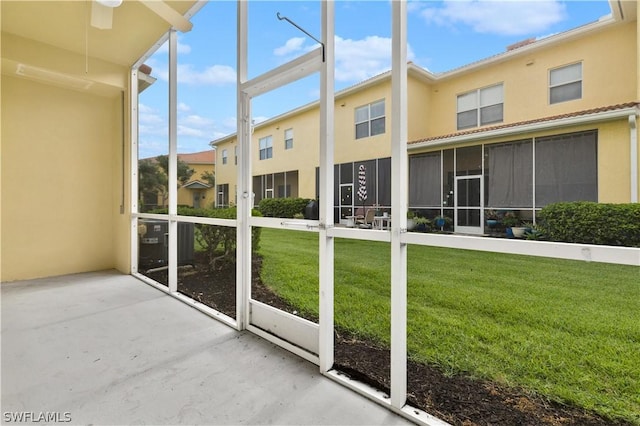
[105, 348]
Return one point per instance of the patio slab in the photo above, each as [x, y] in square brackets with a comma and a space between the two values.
[105, 348]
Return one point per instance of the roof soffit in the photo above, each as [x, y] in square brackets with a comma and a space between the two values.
[65, 25]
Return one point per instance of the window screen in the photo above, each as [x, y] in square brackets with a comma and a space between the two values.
[509, 167]
[424, 180]
[567, 168]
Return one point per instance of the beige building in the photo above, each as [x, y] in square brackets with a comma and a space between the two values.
[545, 121]
[197, 192]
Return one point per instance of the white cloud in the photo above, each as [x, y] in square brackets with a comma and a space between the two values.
[182, 107]
[142, 108]
[215, 75]
[184, 49]
[229, 125]
[356, 60]
[148, 116]
[191, 131]
[196, 120]
[292, 45]
[506, 17]
[196, 126]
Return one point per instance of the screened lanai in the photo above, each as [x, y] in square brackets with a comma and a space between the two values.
[310, 287]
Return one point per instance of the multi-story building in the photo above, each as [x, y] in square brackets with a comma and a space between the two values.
[545, 121]
[198, 191]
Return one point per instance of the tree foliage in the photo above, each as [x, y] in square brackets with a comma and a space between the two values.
[209, 177]
[184, 171]
[153, 175]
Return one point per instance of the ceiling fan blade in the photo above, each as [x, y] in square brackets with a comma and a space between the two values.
[168, 14]
[101, 16]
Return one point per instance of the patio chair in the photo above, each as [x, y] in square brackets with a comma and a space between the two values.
[367, 222]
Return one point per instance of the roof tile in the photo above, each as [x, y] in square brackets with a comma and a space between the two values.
[537, 120]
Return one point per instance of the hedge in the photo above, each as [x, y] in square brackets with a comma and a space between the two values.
[218, 242]
[282, 207]
[591, 223]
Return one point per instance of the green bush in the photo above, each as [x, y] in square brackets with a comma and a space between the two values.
[282, 207]
[591, 223]
[218, 242]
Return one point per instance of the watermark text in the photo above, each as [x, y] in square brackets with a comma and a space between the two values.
[36, 417]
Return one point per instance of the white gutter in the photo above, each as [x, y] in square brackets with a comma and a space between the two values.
[526, 128]
[563, 37]
[633, 141]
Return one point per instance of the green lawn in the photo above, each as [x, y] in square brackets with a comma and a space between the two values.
[568, 330]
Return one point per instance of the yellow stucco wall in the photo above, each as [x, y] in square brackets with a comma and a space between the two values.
[526, 79]
[59, 171]
[614, 185]
[185, 195]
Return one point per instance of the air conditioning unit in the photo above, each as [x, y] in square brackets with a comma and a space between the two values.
[153, 251]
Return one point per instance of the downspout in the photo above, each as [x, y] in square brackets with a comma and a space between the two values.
[633, 140]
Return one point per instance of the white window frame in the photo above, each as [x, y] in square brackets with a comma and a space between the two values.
[369, 118]
[564, 83]
[288, 138]
[478, 105]
[224, 156]
[265, 145]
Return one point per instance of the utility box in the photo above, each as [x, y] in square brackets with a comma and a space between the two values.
[153, 251]
[311, 211]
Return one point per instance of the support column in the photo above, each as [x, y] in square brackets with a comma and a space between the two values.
[399, 188]
[133, 123]
[173, 160]
[243, 229]
[633, 140]
[326, 249]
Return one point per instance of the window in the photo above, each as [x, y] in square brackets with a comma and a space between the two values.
[480, 107]
[565, 84]
[284, 191]
[288, 139]
[266, 147]
[224, 156]
[223, 195]
[370, 120]
[235, 155]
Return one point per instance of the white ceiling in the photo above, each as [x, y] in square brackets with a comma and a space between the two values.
[65, 24]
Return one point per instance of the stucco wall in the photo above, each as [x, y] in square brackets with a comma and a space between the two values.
[526, 79]
[185, 195]
[60, 199]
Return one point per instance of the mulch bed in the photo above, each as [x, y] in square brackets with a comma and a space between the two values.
[458, 400]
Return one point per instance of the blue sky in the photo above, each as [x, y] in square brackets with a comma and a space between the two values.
[442, 35]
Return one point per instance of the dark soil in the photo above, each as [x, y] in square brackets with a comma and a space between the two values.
[458, 399]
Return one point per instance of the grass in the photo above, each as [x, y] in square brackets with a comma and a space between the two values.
[568, 330]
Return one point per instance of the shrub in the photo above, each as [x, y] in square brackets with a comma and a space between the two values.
[282, 207]
[591, 223]
[218, 242]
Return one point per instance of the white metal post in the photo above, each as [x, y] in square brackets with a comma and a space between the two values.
[326, 249]
[633, 140]
[399, 187]
[243, 229]
[133, 122]
[173, 160]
